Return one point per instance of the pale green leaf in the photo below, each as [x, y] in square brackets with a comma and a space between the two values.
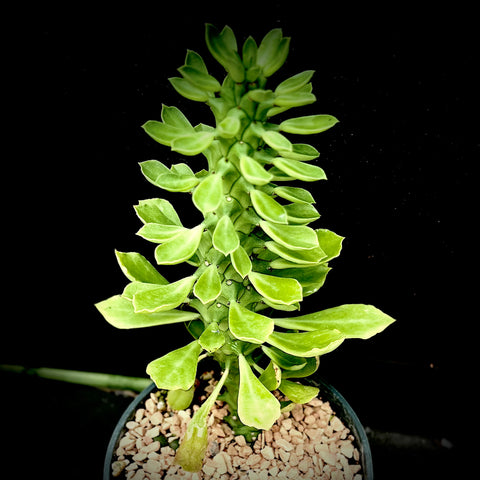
[212, 338]
[308, 124]
[352, 320]
[330, 243]
[300, 170]
[119, 312]
[295, 237]
[192, 144]
[302, 257]
[295, 82]
[180, 399]
[286, 291]
[311, 278]
[302, 152]
[163, 297]
[309, 369]
[295, 99]
[284, 360]
[200, 79]
[257, 407]
[294, 194]
[157, 210]
[241, 261]
[298, 393]
[179, 248]
[164, 133]
[301, 213]
[253, 172]
[277, 141]
[225, 238]
[157, 233]
[209, 194]
[208, 287]
[177, 369]
[193, 59]
[271, 377]
[307, 344]
[174, 117]
[268, 208]
[247, 325]
[190, 91]
[137, 268]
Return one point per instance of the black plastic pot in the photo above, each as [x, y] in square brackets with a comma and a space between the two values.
[327, 393]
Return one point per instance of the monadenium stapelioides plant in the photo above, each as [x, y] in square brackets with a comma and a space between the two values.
[254, 253]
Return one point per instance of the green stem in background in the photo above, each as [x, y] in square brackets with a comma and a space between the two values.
[92, 379]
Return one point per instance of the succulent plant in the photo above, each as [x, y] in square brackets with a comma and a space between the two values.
[254, 253]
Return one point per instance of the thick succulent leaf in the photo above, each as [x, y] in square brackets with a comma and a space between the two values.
[180, 399]
[157, 210]
[295, 82]
[253, 171]
[257, 407]
[309, 369]
[311, 278]
[241, 261]
[300, 170]
[163, 297]
[298, 393]
[307, 344]
[223, 47]
[179, 178]
[157, 233]
[247, 325]
[295, 237]
[165, 133]
[277, 141]
[192, 144]
[271, 377]
[284, 360]
[286, 291]
[295, 99]
[179, 248]
[209, 194]
[308, 124]
[208, 287]
[194, 60]
[273, 51]
[301, 213]
[212, 338]
[189, 90]
[225, 238]
[200, 79]
[330, 243]
[249, 53]
[177, 369]
[174, 117]
[138, 269]
[302, 257]
[302, 152]
[294, 194]
[119, 312]
[352, 320]
[268, 208]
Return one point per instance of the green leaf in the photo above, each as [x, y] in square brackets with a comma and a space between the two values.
[157, 233]
[241, 261]
[309, 369]
[302, 152]
[300, 170]
[298, 393]
[268, 208]
[294, 83]
[208, 287]
[137, 268]
[119, 312]
[295, 237]
[247, 325]
[192, 450]
[152, 169]
[311, 278]
[257, 407]
[212, 338]
[330, 243]
[164, 133]
[284, 360]
[351, 320]
[180, 399]
[303, 257]
[271, 377]
[301, 213]
[200, 79]
[194, 60]
[179, 248]
[249, 53]
[157, 210]
[294, 194]
[223, 47]
[174, 181]
[277, 141]
[190, 91]
[295, 99]
[308, 124]
[225, 238]
[273, 51]
[177, 369]
[163, 297]
[174, 117]
[192, 144]
[307, 344]
[285, 291]
[209, 194]
[253, 171]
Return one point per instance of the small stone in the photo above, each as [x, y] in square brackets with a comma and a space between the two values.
[267, 453]
[287, 446]
[220, 464]
[346, 448]
[328, 457]
[156, 418]
[139, 414]
[336, 424]
[240, 439]
[253, 459]
[305, 464]
[153, 466]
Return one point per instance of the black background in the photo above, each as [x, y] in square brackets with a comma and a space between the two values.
[400, 167]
